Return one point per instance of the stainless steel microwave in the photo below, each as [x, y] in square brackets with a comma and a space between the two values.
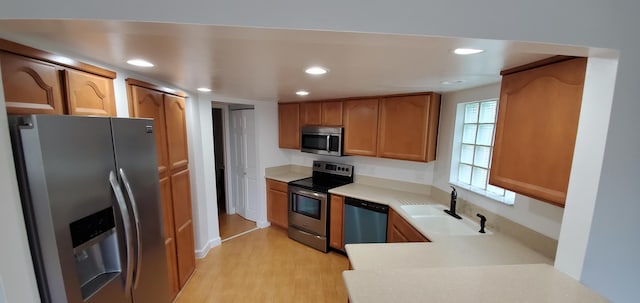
[322, 140]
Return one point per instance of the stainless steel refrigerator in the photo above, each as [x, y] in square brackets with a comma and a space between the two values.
[90, 195]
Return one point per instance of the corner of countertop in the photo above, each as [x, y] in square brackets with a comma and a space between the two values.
[287, 173]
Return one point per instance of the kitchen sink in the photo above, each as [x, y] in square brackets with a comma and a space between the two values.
[424, 210]
[432, 219]
[448, 226]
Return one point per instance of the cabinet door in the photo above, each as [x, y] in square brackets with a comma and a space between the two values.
[277, 203]
[408, 127]
[174, 110]
[361, 127]
[30, 86]
[336, 235]
[536, 130]
[182, 215]
[169, 235]
[289, 125]
[310, 113]
[148, 103]
[332, 113]
[399, 230]
[89, 94]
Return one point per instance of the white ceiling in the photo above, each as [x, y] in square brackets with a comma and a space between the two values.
[269, 64]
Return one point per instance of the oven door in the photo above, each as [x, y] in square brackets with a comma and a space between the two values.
[308, 210]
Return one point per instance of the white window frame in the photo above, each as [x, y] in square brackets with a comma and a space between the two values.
[508, 197]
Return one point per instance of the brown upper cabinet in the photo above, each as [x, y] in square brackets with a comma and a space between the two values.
[408, 127]
[360, 118]
[332, 113]
[30, 86]
[37, 82]
[89, 95]
[289, 125]
[401, 127]
[321, 113]
[536, 129]
[310, 113]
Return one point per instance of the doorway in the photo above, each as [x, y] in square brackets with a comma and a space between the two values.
[234, 136]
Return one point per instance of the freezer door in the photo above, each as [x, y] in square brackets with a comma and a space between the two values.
[63, 165]
[137, 165]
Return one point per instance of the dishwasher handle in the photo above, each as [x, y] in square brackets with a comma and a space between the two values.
[381, 208]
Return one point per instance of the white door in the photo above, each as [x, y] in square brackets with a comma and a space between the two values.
[244, 163]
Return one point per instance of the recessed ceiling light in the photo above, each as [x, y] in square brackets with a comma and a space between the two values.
[204, 89]
[140, 62]
[467, 51]
[302, 93]
[316, 70]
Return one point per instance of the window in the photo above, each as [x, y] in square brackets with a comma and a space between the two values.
[473, 145]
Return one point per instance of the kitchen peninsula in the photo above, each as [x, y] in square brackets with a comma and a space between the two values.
[451, 268]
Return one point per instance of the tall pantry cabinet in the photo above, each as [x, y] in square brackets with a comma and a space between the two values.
[168, 112]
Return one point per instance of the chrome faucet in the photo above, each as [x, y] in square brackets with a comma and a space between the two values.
[452, 208]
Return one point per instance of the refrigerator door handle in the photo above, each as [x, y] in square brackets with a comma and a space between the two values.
[136, 220]
[126, 221]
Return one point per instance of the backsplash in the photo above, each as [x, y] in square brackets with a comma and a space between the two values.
[408, 171]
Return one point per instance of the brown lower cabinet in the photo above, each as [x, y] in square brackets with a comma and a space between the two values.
[336, 222]
[167, 110]
[277, 203]
[399, 230]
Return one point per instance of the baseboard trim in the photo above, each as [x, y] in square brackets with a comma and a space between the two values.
[201, 253]
[240, 234]
[263, 224]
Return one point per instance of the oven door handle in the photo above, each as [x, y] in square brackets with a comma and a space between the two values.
[309, 193]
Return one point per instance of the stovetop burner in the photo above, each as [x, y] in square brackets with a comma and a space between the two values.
[326, 175]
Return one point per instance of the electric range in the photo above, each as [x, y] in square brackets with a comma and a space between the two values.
[308, 203]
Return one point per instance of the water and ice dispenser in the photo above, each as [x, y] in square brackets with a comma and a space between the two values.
[95, 247]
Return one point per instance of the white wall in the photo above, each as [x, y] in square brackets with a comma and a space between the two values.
[539, 216]
[584, 179]
[203, 162]
[202, 166]
[611, 264]
[16, 269]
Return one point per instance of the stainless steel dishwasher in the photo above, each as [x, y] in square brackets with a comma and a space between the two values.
[364, 221]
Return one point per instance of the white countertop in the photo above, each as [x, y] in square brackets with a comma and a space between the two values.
[286, 176]
[505, 283]
[475, 268]
[381, 195]
[454, 251]
[396, 199]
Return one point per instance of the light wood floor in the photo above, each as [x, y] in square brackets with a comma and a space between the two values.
[231, 225]
[266, 266]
